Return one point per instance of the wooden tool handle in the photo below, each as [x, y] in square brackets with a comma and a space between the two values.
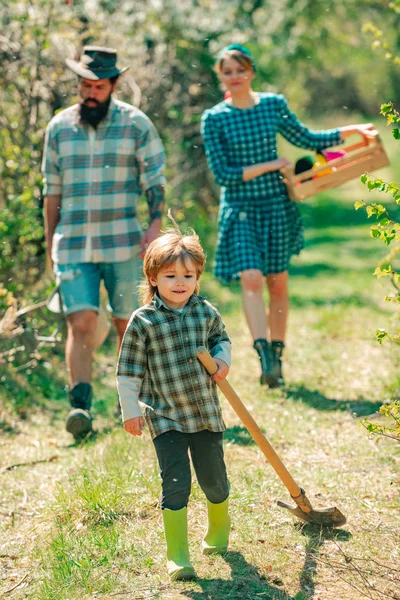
[208, 362]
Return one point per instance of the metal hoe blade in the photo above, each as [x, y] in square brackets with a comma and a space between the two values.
[325, 517]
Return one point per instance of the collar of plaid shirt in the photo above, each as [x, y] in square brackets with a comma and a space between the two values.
[158, 303]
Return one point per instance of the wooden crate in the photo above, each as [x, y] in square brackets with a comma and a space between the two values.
[358, 159]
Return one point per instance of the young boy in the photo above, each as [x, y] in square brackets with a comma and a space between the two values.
[161, 382]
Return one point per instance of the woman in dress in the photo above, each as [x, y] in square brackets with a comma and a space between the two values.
[259, 227]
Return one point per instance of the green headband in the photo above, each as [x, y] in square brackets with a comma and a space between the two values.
[239, 48]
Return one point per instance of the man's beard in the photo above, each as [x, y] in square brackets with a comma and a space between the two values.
[92, 115]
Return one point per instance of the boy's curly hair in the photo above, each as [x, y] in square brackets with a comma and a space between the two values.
[166, 250]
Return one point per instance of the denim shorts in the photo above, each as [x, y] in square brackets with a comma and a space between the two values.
[79, 286]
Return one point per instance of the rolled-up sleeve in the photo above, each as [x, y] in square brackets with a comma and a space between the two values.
[50, 165]
[224, 173]
[299, 135]
[150, 154]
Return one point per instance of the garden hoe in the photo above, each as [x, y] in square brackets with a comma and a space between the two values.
[326, 517]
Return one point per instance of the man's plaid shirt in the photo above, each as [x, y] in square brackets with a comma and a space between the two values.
[159, 349]
[100, 175]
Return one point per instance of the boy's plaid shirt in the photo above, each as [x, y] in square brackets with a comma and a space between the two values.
[100, 176]
[159, 348]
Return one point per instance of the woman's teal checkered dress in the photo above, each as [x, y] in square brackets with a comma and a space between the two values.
[259, 227]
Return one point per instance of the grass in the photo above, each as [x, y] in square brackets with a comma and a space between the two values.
[87, 524]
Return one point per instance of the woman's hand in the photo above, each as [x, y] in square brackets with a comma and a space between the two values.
[222, 372]
[366, 130]
[134, 426]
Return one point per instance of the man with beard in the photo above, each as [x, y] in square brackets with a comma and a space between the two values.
[100, 156]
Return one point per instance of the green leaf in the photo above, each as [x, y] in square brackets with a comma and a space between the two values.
[385, 108]
[359, 203]
[392, 188]
[373, 184]
[383, 271]
[381, 334]
[375, 209]
[380, 209]
[388, 237]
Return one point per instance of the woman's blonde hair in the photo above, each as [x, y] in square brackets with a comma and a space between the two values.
[244, 60]
[166, 250]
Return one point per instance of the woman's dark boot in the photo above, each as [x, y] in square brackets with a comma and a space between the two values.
[268, 376]
[276, 359]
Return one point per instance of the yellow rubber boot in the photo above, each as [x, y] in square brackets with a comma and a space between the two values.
[219, 525]
[176, 536]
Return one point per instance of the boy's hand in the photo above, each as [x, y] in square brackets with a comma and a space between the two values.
[222, 372]
[134, 426]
